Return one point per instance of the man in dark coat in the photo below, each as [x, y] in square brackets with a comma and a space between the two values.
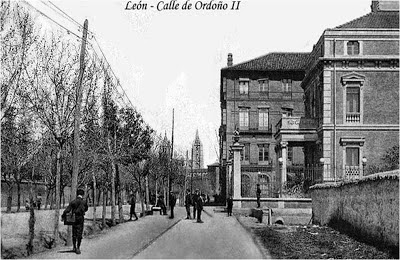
[79, 207]
[199, 207]
[230, 205]
[172, 202]
[195, 197]
[258, 195]
[160, 203]
[188, 202]
[133, 204]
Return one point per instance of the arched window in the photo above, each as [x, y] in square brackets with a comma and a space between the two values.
[265, 185]
[245, 186]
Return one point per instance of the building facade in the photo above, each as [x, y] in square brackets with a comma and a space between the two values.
[342, 113]
[254, 95]
[351, 97]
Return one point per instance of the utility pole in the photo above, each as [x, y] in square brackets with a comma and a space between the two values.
[172, 157]
[74, 181]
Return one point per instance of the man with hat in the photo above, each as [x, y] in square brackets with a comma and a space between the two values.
[79, 207]
[194, 200]
[199, 206]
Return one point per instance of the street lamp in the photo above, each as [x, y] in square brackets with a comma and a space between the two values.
[364, 161]
[280, 160]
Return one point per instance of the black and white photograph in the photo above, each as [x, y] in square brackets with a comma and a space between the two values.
[199, 129]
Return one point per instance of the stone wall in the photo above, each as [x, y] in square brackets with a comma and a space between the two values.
[368, 207]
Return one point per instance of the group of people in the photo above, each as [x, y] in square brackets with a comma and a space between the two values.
[195, 200]
[36, 203]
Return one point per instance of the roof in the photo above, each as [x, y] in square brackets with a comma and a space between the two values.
[274, 61]
[381, 19]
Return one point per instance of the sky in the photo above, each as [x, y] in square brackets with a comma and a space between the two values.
[172, 58]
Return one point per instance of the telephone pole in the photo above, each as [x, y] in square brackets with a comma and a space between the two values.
[75, 171]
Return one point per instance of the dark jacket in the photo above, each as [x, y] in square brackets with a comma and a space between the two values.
[195, 197]
[172, 200]
[79, 207]
[230, 202]
[188, 200]
[258, 192]
[199, 203]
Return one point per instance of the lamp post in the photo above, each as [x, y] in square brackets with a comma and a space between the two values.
[364, 164]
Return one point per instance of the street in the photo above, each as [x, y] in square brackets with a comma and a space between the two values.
[160, 237]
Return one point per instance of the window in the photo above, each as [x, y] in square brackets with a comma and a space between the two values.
[353, 104]
[353, 48]
[243, 87]
[264, 85]
[265, 185]
[244, 118]
[263, 118]
[245, 153]
[263, 152]
[290, 153]
[287, 112]
[245, 186]
[352, 156]
[286, 85]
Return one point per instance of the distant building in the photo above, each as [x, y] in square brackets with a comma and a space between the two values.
[197, 152]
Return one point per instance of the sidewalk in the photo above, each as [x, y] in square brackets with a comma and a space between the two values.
[122, 241]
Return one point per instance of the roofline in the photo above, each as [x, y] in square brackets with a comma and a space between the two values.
[275, 52]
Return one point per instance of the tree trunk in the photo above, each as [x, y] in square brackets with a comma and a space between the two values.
[57, 196]
[156, 191]
[141, 198]
[9, 197]
[147, 193]
[94, 199]
[31, 219]
[113, 173]
[18, 195]
[104, 206]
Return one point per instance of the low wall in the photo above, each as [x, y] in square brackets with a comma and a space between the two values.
[368, 208]
[276, 202]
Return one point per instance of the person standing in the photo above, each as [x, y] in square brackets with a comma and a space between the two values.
[199, 207]
[133, 205]
[188, 202]
[194, 200]
[230, 205]
[38, 201]
[79, 207]
[172, 202]
[258, 195]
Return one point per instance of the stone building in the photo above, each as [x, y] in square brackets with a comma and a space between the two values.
[342, 110]
[351, 99]
[254, 95]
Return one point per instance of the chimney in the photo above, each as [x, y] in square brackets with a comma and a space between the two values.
[230, 60]
[375, 6]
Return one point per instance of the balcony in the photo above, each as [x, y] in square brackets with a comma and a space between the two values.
[296, 128]
[296, 123]
[353, 117]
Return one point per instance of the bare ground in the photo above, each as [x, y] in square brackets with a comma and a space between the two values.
[310, 242]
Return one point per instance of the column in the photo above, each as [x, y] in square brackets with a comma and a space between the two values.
[237, 174]
[284, 163]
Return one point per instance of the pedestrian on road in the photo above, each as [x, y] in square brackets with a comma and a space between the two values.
[199, 207]
[160, 203]
[188, 202]
[195, 197]
[258, 195]
[133, 204]
[230, 205]
[172, 202]
[38, 201]
[79, 207]
[27, 205]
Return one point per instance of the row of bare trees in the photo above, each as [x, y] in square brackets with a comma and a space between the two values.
[119, 153]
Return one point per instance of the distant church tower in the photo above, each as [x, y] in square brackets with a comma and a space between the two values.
[197, 152]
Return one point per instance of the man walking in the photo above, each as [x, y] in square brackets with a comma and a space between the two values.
[194, 200]
[199, 207]
[258, 195]
[133, 204]
[230, 205]
[172, 202]
[79, 207]
[188, 202]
